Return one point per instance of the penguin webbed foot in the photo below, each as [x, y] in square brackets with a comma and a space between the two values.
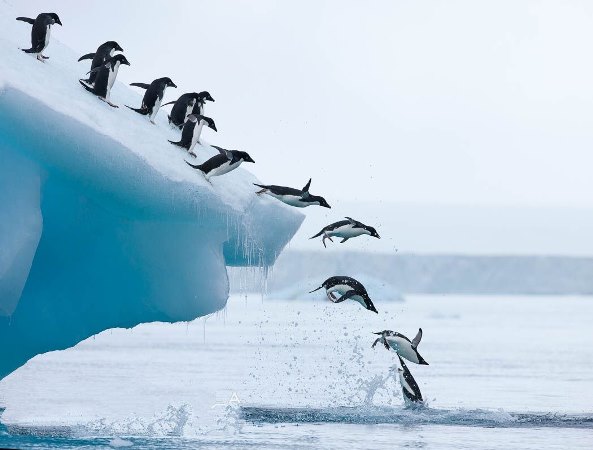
[43, 56]
[263, 191]
[192, 154]
[40, 59]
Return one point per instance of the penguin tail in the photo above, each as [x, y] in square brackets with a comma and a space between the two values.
[28, 50]
[317, 235]
[86, 86]
[195, 166]
[143, 111]
[178, 143]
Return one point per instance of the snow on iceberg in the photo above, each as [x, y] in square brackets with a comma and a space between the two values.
[102, 224]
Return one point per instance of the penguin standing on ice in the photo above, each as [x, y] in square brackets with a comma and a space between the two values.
[192, 129]
[104, 51]
[293, 197]
[346, 229]
[106, 75]
[392, 340]
[224, 162]
[204, 96]
[410, 388]
[347, 288]
[40, 33]
[153, 96]
[186, 105]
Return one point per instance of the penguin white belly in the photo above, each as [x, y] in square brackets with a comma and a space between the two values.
[47, 36]
[111, 79]
[403, 348]
[196, 136]
[224, 168]
[405, 384]
[347, 231]
[155, 108]
[341, 289]
[188, 111]
[292, 200]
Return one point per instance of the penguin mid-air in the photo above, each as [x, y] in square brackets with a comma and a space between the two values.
[224, 162]
[347, 288]
[40, 33]
[410, 388]
[293, 197]
[153, 96]
[192, 128]
[399, 343]
[346, 229]
[106, 75]
[204, 96]
[105, 50]
[186, 105]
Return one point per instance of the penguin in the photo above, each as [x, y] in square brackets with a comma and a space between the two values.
[410, 388]
[392, 340]
[104, 51]
[106, 75]
[347, 288]
[300, 198]
[346, 229]
[192, 128]
[153, 97]
[186, 105]
[224, 162]
[40, 33]
[201, 102]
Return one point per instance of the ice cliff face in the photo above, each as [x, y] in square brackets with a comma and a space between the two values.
[102, 224]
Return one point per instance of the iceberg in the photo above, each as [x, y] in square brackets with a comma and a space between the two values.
[102, 224]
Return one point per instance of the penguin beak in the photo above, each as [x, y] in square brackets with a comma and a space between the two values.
[58, 22]
[173, 85]
[380, 333]
[213, 127]
[310, 292]
[249, 159]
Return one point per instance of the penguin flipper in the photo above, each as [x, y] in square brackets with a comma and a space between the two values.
[376, 342]
[168, 103]
[346, 296]
[26, 19]
[87, 56]
[307, 186]
[86, 86]
[344, 240]
[140, 85]
[417, 339]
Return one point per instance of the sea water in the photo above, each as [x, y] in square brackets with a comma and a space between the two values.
[505, 372]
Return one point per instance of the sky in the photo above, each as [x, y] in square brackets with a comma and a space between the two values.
[429, 103]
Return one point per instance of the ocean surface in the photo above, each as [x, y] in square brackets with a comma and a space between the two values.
[505, 372]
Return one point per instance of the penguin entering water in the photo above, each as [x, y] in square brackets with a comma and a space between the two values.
[346, 229]
[105, 51]
[347, 288]
[40, 33]
[410, 388]
[153, 96]
[224, 162]
[186, 105]
[293, 197]
[192, 128]
[106, 75]
[392, 340]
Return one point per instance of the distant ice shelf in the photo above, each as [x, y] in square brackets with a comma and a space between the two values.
[102, 224]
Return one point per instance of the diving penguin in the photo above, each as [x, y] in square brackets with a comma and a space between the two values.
[300, 198]
[40, 33]
[104, 51]
[192, 128]
[153, 96]
[347, 288]
[106, 75]
[392, 340]
[346, 229]
[224, 162]
[410, 388]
